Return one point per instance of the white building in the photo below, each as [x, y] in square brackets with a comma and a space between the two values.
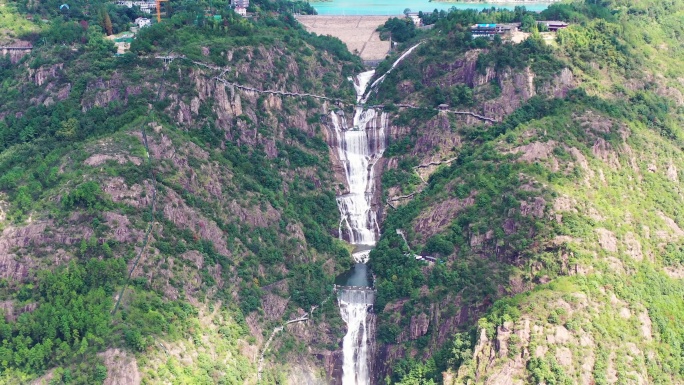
[241, 11]
[142, 22]
[415, 18]
[145, 6]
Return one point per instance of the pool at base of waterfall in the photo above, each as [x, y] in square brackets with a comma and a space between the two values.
[358, 275]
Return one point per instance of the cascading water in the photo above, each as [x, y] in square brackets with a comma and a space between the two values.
[355, 368]
[359, 148]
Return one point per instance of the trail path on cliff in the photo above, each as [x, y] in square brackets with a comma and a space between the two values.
[277, 329]
[411, 195]
[149, 226]
[244, 87]
[153, 205]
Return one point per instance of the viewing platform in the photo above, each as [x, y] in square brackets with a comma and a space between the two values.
[5, 49]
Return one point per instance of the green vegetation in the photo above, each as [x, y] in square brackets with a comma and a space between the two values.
[12, 24]
[399, 30]
[570, 202]
[493, 244]
[237, 221]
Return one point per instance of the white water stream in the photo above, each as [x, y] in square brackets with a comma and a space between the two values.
[359, 148]
[355, 370]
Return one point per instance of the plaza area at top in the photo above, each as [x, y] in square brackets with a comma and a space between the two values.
[357, 32]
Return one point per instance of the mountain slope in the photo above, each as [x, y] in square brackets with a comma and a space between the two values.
[571, 199]
[216, 200]
[164, 213]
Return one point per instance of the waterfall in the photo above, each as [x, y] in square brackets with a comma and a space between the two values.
[379, 80]
[355, 344]
[359, 147]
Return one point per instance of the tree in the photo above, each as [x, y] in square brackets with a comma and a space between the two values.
[407, 11]
[68, 129]
[23, 198]
[400, 29]
[88, 195]
[107, 23]
[83, 347]
[528, 24]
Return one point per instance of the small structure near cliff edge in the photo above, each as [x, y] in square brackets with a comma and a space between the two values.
[240, 6]
[143, 22]
[415, 18]
[491, 30]
[552, 25]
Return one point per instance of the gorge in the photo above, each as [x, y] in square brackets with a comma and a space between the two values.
[264, 210]
[358, 148]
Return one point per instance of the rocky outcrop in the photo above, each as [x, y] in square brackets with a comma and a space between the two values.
[40, 237]
[11, 312]
[15, 55]
[516, 86]
[121, 229]
[122, 368]
[437, 218]
[41, 75]
[136, 195]
[99, 159]
[274, 306]
[101, 92]
[184, 217]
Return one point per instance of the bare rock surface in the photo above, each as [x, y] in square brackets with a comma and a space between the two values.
[136, 195]
[186, 217]
[43, 235]
[535, 208]
[676, 272]
[274, 306]
[42, 74]
[672, 225]
[122, 368]
[607, 240]
[633, 247]
[535, 151]
[646, 326]
[98, 159]
[439, 216]
[121, 227]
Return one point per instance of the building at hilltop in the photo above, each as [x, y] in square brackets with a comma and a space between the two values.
[553, 25]
[491, 30]
[240, 6]
[415, 18]
[143, 22]
[240, 3]
[145, 6]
